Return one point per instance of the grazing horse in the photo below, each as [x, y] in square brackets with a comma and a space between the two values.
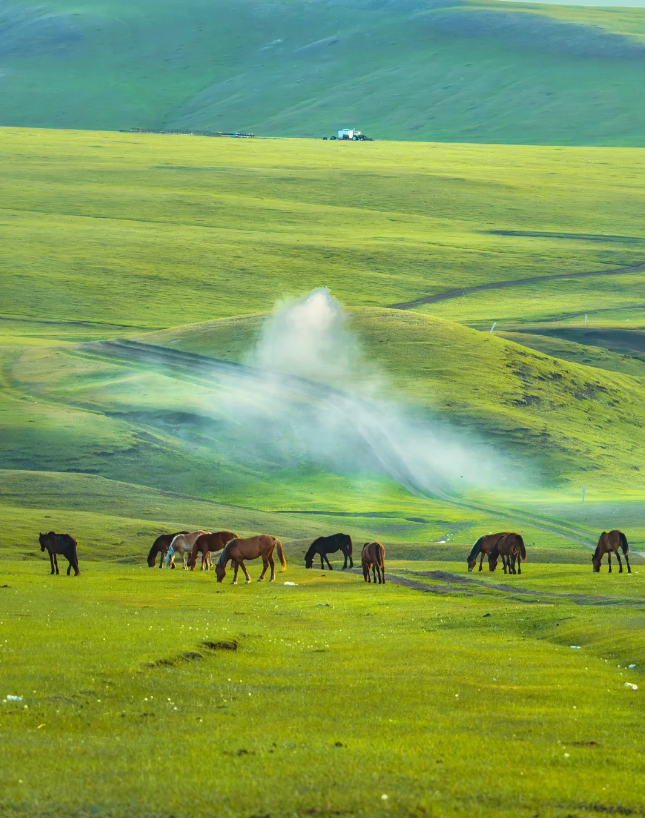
[511, 548]
[373, 556]
[180, 545]
[328, 545]
[483, 546]
[608, 544]
[207, 543]
[60, 544]
[161, 546]
[250, 549]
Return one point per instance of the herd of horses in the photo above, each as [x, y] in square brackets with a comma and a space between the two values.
[236, 550]
[190, 544]
[510, 547]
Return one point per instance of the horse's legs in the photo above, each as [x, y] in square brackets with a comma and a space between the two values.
[620, 563]
[609, 561]
[246, 573]
[629, 570]
[235, 564]
[265, 565]
[272, 564]
[345, 560]
[51, 562]
[351, 561]
[519, 563]
[56, 562]
[322, 564]
[328, 563]
[374, 572]
[481, 560]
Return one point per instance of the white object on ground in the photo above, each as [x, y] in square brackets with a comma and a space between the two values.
[14, 698]
[290, 583]
[575, 647]
[629, 684]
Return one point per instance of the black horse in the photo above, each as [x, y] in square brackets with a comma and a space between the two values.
[328, 545]
[161, 546]
[60, 544]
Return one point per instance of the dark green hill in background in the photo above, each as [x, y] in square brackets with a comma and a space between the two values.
[474, 72]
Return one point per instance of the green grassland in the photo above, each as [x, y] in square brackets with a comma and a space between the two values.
[337, 695]
[448, 71]
[137, 274]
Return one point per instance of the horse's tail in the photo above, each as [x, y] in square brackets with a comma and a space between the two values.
[623, 543]
[193, 555]
[522, 548]
[350, 545]
[152, 554]
[493, 557]
[381, 555]
[476, 549]
[278, 546]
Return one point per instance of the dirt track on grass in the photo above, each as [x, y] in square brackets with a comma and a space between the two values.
[498, 285]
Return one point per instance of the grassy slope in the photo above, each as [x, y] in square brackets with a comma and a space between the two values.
[413, 674]
[181, 245]
[457, 72]
[159, 231]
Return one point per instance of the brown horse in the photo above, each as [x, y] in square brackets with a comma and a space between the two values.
[250, 549]
[160, 546]
[511, 548]
[207, 543]
[60, 544]
[483, 546]
[373, 557]
[608, 544]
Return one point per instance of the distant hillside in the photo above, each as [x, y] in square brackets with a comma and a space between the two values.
[397, 69]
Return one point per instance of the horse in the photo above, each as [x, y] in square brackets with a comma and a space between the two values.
[180, 545]
[483, 546]
[207, 543]
[511, 548]
[161, 546]
[328, 545]
[608, 543]
[60, 544]
[250, 549]
[373, 556]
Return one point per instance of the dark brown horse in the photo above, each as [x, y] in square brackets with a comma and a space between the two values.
[60, 544]
[483, 547]
[373, 557]
[609, 544]
[511, 548]
[250, 549]
[207, 543]
[329, 545]
[161, 546]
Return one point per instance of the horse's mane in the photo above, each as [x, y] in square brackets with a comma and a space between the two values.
[475, 549]
[223, 557]
[595, 553]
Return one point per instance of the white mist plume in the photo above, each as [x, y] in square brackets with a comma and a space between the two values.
[326, 400]
[308, 338]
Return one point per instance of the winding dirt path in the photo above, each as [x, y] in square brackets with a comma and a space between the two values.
[498, 285]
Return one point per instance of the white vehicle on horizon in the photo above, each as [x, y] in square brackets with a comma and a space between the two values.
[350, 133]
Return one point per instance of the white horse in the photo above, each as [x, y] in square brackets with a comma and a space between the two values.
[181, 544]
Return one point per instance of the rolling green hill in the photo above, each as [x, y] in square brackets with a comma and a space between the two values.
[135, 267]
[441, 70]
